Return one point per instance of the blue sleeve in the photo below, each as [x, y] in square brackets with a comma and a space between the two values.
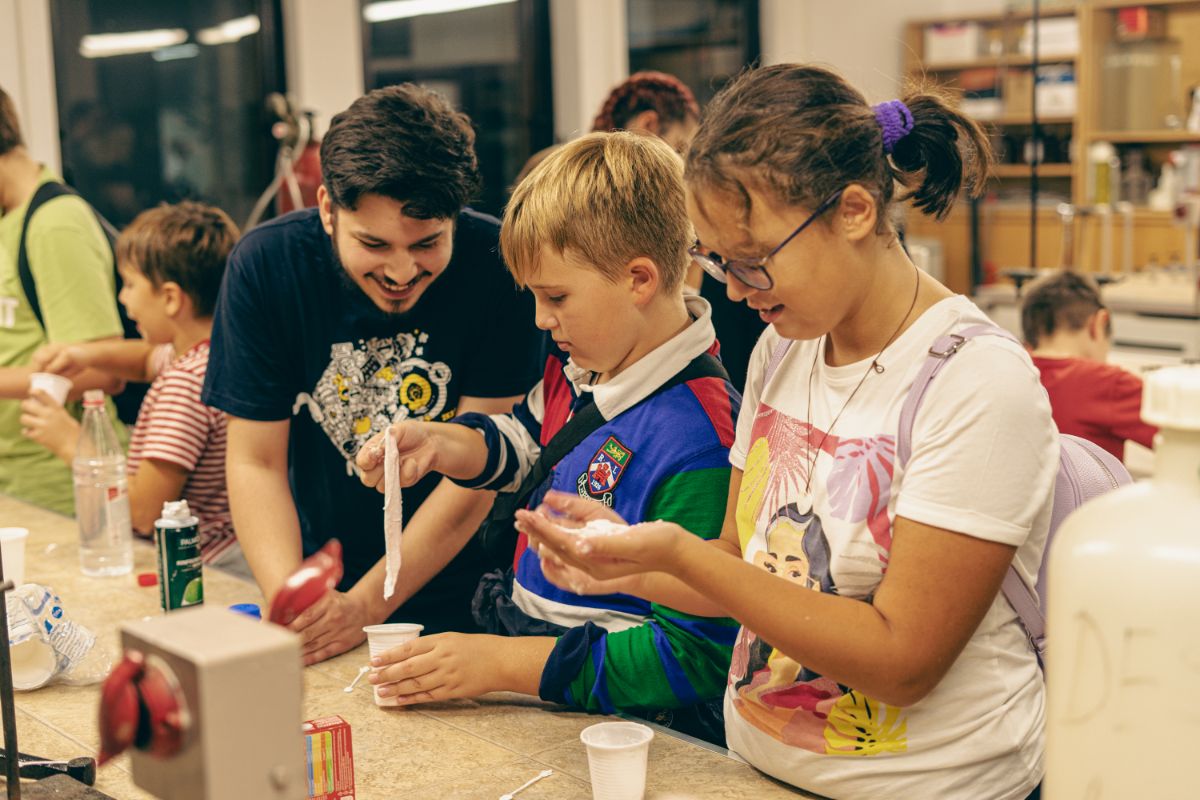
[248, 366]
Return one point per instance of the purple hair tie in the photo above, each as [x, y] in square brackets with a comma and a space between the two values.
[896, 122]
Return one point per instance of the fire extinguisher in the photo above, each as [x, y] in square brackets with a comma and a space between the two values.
[297, 163]
[306, 172]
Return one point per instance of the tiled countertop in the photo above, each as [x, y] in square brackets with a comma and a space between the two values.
[463, 749]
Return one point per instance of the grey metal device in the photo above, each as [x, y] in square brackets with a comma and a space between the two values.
[242, 692]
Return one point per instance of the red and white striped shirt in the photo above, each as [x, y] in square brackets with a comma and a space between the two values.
[175, 427]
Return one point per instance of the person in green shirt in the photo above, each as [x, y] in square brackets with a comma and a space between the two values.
[72, 267]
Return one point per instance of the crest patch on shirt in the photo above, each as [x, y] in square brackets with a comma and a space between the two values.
[606, 467]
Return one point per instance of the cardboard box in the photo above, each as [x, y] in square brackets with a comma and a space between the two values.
[1057, 36]
[1057, 92]
[330, 755]
[948, 42]
[1139, 22]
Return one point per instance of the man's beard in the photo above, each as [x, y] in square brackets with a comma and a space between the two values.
[396, 310]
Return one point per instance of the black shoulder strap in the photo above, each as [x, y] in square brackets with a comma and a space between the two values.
[584, 423]
[45, 193]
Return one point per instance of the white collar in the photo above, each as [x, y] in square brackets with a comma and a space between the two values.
[639, 380]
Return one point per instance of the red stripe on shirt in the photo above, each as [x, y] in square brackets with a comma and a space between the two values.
[713, 394]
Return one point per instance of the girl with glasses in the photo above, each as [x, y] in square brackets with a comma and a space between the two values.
[876, 656]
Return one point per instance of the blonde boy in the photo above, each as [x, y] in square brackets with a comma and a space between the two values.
[599, 234]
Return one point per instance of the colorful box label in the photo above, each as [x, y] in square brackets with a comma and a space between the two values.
[330, 757]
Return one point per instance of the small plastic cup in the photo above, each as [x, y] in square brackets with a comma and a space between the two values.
[56, 386]
[13, 540]
[381, 638]
[617, 753]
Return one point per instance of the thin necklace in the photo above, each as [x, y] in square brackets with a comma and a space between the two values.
[874, 366]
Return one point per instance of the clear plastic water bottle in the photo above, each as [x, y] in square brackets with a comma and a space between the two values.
[101, 494]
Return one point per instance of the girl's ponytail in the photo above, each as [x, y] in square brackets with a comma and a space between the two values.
[944, 153]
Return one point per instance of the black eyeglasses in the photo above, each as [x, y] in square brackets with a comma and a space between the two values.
[753, 271]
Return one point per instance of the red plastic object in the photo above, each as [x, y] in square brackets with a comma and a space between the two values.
[147, 579]
[166, 710]
[319, 573]
[119, 707]
[142, 705]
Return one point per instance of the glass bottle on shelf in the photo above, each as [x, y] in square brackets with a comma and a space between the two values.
[1135, 180]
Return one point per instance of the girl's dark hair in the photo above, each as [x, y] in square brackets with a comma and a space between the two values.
[802, 133]
[647, 91]
[404, 142]
[1062, 301]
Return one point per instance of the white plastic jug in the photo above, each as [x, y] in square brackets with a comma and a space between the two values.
[1123, 668]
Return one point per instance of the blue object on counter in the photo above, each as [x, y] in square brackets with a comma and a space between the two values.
[249, 609]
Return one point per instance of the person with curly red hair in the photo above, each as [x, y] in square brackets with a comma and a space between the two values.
[654, 102]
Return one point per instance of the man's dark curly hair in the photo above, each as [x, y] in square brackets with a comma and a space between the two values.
[406, 143]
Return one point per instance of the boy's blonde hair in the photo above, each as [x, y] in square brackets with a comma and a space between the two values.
[186, 243]
[606, 197]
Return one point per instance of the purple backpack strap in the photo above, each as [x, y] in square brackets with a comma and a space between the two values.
[1018, 593]
[777, 355]
[943, 349]
[1029, 609]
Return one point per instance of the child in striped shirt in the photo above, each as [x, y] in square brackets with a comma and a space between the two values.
[171, 260]
[599, 233]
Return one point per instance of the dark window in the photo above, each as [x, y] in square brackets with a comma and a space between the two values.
[164, 101]
[491, 60]
[704, 43]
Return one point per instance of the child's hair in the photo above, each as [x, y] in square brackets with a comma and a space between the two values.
[802, 133]
[406, 143]
[186, 243]
[606, 197]
[647, 91]
[10, 128]
[1064, 300]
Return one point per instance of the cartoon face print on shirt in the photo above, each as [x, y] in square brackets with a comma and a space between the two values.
[781, 533]
[372, 384]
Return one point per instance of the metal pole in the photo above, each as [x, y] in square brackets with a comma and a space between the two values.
[12, 762]
[1033, 168]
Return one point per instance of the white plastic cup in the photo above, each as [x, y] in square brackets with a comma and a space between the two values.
[13, 540]
[381, 638]
[617, 753]
[56, 386]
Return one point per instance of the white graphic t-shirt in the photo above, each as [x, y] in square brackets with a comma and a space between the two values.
[983, 463]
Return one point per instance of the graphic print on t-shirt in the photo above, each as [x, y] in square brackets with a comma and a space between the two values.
[780, 532]
[367, 387]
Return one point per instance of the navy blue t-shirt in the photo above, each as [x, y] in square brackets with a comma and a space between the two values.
[294, 339]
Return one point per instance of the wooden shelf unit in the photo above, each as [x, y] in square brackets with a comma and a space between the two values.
[1004, 226]
[1025, 171]
[1146, 137]
[985, 62]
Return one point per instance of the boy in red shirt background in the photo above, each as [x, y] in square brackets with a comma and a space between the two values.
[1069, 333]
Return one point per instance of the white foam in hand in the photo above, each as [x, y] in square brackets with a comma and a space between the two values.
[393, 513]
[599, 527]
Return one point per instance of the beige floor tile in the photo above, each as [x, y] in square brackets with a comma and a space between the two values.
[396, 747]
[519, 722]
[491, 783]
[37, 738]
[681, 770]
